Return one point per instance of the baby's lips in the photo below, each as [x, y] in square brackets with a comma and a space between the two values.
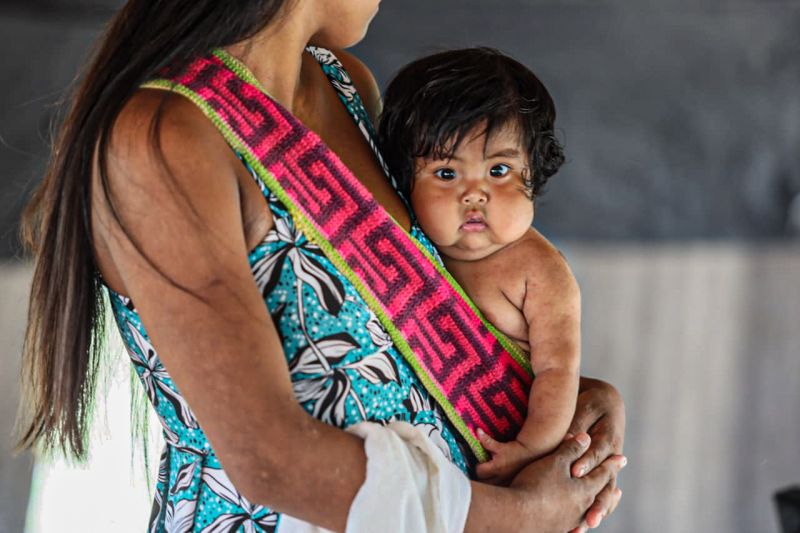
[474, 224]
[474, 221]
[475, 216]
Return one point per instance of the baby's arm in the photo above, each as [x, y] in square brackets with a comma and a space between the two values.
[552, 310]
[551, 307]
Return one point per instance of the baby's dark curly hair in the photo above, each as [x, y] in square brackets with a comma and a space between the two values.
[435, 101]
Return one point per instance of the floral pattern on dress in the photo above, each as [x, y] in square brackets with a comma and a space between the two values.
[343, 366]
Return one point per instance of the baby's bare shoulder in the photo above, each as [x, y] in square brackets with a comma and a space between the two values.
[533, 252]
[543, 267]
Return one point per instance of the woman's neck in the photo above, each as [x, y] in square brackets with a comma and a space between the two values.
[275, 54]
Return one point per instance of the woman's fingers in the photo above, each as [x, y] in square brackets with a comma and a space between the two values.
[586, 414]
[603, 505]
[597, 400]
[606, 440]
[616, 499]
[602, 482]
[571, 449]
[594, 401]
[604, 473]
[602, 447]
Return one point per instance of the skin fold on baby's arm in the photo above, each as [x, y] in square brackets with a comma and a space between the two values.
[543, 287]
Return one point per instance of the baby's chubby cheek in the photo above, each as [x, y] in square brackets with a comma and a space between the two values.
[514, 216]
[434, 215]
[523, 220]
[437, 226]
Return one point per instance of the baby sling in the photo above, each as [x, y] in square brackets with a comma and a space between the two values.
[479, 377]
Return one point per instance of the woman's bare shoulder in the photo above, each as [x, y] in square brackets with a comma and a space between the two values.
[162, 144]
[172, 180]
[166, 124]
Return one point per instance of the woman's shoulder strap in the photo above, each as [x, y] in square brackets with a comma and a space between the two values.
[346, 87]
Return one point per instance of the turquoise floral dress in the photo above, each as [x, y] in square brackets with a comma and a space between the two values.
[343, 365]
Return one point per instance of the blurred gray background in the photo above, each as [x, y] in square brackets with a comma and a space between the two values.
[679, 209]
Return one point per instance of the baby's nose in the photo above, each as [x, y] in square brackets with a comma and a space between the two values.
[475, 196]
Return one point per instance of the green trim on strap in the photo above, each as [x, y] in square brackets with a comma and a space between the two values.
[240, 69]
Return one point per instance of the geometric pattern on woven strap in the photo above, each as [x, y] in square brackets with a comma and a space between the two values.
[478, 377]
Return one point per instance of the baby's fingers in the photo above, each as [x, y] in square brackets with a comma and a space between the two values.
[488, 442]
[487, 470]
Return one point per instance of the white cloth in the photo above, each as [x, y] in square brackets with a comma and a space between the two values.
[410, 486]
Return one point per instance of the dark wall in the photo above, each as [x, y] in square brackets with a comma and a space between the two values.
[43, 52]
[681, 119]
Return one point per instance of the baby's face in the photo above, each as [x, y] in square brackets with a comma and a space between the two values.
[475, 203]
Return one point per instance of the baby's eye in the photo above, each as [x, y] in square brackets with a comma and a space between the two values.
[446, 174]
[498, 171]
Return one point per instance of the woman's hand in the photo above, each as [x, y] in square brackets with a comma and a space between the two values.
[557, 500]
[600, 412]
[544, 497]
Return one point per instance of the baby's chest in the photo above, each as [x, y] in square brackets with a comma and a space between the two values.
[500, 301]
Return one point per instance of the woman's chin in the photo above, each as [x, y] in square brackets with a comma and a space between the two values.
[339, 38]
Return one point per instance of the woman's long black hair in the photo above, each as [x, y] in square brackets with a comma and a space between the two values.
[65, 330]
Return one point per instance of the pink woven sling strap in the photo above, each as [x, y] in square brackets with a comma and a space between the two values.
[478, 376]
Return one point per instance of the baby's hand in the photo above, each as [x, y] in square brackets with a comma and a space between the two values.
[508, 458]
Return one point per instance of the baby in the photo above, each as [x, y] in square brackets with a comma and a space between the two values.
[468, 135]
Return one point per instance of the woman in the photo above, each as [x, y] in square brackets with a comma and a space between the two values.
[146, 200]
